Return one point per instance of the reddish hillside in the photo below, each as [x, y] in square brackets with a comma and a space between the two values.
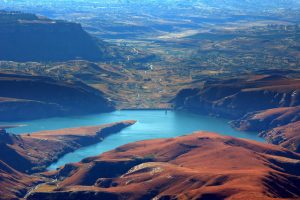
[268, 119]
[197, 166]
[279, 126]
[14, 184]
[256, 103]
[287, 136]
[233, 98]
[29, 153]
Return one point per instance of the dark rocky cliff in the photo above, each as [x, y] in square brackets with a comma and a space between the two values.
[279, 126]
[29, 97]
[234, 98]
[26, 37]
[268, 104]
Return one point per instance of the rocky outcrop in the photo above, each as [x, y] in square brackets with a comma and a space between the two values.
[267, 119]
[27, 37]
[34, 152]
[278, 126]
[268, 104]
[287, 136]
[198, 166]
[233, 98]
[25, 97]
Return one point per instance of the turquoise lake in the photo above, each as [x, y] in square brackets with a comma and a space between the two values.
[150, 124]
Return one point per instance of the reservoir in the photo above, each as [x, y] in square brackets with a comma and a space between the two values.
[150, 124]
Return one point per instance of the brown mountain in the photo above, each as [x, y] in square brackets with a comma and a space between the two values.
[13, 184]
[279, 126]
[268, 104]
[34, 152]
[198, 166]
[21, 155]
[267, 119]
[233, 98]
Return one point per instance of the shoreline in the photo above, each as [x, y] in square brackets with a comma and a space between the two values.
[42, 148]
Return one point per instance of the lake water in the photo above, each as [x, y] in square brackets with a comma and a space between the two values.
[150, 124]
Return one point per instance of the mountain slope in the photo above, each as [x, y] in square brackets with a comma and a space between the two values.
[27, 37]
[34, 152]
[198, 166]
[269, 104]
[14, 184]
[233, 98]
[30, 97]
